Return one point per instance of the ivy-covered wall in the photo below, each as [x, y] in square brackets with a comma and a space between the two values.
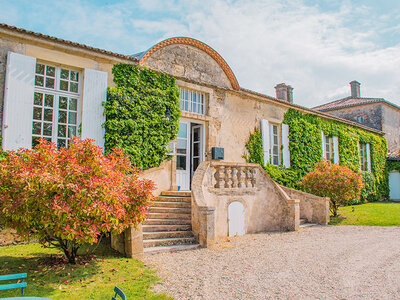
[305, 147]
[137, 111]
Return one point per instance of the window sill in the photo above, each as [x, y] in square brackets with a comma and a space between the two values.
[186, 114]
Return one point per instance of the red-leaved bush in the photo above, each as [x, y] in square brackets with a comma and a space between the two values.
[66, 197]
[339, 183]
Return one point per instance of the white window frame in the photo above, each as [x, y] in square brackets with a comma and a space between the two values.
[57, 92]
[192, 101]
[275, 152]
[363, 157]
[328, 144]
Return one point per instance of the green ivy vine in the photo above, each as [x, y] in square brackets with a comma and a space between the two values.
[306, 151]
[137, 111]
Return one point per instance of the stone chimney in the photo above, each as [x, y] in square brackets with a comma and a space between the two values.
[355, 89]
[284, 92]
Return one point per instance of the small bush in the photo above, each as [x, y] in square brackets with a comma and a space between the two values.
[67, 197]
[339, 183]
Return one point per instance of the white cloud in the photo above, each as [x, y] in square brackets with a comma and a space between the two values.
[265, 42]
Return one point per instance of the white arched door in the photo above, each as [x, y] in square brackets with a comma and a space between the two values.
[236, 219]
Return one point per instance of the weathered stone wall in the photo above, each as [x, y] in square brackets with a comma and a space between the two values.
[313, 208]
[9, 236]
[372, 114]
[188, 62]
[391, 127]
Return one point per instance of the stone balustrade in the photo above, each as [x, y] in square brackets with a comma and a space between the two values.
[231, 175]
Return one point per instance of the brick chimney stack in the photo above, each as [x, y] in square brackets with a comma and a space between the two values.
[355, 89]
[284, 92]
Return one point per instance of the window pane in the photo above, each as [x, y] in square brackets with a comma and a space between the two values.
[39, 69]
[181, 162]
[196, 149]
[37, 113]
[37, 128]
[38, 99]
[62, 130]
[50, 71]
[39, 80]
[47, 129]
[62, 116]
[64, 85]
[35, 141]
[61, 143]
[63, 102]
[74, 76]
[48, 100]
[182, 130]
[50, 83]
[48, 115]
[181, 146]
[64, 74]
[73, 104]
[73, 87]
[71, 131]
[72, 117]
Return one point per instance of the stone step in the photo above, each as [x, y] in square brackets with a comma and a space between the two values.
[168, 242]
[171, 210]
[157, 215]
[176, 193]
[158, 227]
[155, 221]
[173, 248]
[166, 234]
[307, 225]
[171, 204]
[303, 221]
[173, 199]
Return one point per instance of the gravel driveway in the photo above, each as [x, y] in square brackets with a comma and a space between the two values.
[321, 262]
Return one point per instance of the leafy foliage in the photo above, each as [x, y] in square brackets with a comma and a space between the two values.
[286, 177]
[369, 190]
[67, 197]
[339, 183]
[135, 113]
[306, 151]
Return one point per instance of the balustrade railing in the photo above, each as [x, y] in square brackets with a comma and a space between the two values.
[235, 176]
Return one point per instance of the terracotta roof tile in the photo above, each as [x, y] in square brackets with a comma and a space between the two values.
[348, 102]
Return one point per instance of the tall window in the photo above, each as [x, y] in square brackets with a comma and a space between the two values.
[363, 157]
[328, 148]
[274, 144]
[192, 101]
[55, 105]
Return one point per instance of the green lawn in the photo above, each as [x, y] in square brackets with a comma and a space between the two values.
[94, 277]
[369, 214]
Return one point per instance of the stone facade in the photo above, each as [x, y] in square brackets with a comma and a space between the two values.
[188, 62]
[372, 114]
[391, 127]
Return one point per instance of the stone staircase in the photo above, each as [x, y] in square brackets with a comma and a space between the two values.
[168, 227]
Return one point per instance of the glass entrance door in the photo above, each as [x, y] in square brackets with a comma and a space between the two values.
[196, 145]
[182, 157]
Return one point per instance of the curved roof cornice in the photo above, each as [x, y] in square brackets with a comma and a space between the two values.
[200, 45]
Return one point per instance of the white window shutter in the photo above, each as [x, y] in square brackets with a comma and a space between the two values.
[94, 94]
[18, 101]
[265, 139]
[285, 144]
[368, 157]
[323, 145]
[335, 141]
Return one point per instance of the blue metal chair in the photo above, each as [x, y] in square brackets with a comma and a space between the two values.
[118, 292]
[19, 285]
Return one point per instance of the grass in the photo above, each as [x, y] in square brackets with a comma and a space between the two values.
[93, 277]
[369, 214]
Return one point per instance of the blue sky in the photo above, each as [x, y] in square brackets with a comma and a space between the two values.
[317, 47]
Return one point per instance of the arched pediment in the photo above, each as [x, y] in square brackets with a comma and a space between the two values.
[189, 58]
